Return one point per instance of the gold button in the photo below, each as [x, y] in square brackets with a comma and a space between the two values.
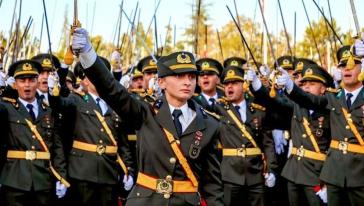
[172, 160]
[347, 127]
[33, 136]
[138, 194]
[49, 126]
[178, 142]
[166, 196]
[33, 147]
[169, 177]
[87, 112]
[349, 115]
[17, 121]
[100, 141]
[102, 130]
[304, 135]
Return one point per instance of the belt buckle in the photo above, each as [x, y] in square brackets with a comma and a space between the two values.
[100, 149]
[343, 146]
[165, 187]
[241, 152]
[300, 152]
[30, 155]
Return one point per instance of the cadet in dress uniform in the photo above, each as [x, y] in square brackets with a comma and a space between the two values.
[344, 166]
[310, 134]
[177, 140]
[100, 155]
[248, 152]
[34, 157]
[148, 67]
[208, 80]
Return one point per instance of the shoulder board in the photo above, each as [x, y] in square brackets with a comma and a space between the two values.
[195, 94]
[332, 90]
[257, 106]
[216, 116]
[222, 100]
[79, 93]
[11, 100]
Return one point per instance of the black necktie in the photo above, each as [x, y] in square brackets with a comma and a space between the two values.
[41, 97]
[212, 100]
[348, 99]
[31, 112]
[176, 113]
[98, 103]
[237, 110]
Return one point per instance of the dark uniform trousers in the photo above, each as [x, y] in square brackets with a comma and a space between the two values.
[28, 182]
[302, 173]
[343, 170]
[95, 177]
[243, 176]
[155, 156]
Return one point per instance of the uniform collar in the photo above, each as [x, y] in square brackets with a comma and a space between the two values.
[355, 93]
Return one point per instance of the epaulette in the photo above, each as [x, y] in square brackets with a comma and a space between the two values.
[216, 116]
[79, 93]
[257, 106]
[12, 101]
[222, 100]
[195, 94]
[332, 90]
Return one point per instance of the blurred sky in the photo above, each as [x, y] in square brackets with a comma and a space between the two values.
[107, 11]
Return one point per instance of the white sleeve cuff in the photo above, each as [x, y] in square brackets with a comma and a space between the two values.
[88, 59]
[256, 85]
[289, 86]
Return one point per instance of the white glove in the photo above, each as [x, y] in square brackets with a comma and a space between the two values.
[60, 189]
[285, 80]
[125, 81]
[322, 193]
[2, 79]
[80, 41]
[290, 145]
[264, 70]
[53, 78]
[279, 140]
[10, 81]
[336, 74]
[253, 78]
[359, 48]
[270, 179]
[128, 182]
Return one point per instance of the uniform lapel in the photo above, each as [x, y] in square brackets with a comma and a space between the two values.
[23, 110]
[41, 111]
[198, 123]
[164, 117]
[359, 101]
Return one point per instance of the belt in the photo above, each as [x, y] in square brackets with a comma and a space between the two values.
[346, 147]
[28, 155]
[302, 152]
[99, 149]
[242, 152]
[165, 186]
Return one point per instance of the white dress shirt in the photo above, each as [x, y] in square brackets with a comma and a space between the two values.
[355, 94]
[34, 103]
[45, 96]
[188, 115]
[207, 97]
[242, 110]
[102, 103]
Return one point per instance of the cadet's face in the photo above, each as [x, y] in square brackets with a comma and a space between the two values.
[208, 82]
[69, 85]
[297, 79]
[146, 77]
[315, 88]
[26, 88]
[350, 76]
[137, 83]
[178, 88]
[43, 81]
[234, 91]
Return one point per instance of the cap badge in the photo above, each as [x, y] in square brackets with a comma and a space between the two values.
[183, 58]
[152, 62]
[285, 62]
[234, 63]
[46, 63]
[309, 71]
[230, 73]
[205, 65]
[27, 67]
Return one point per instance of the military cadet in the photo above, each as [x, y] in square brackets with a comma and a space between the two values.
[34, 156]
[208, 80]
[148, 67]
[136, 83]
[248, 152]
[177, 140]
[71, 81]
[343, 169]
[310, 135]
[287, 63]
[100, 155]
